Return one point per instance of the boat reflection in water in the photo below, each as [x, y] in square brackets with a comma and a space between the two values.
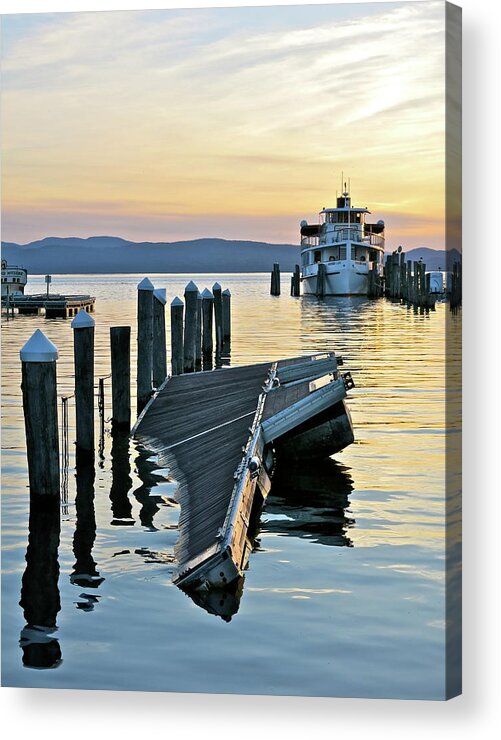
[40, 599]
[308, 501]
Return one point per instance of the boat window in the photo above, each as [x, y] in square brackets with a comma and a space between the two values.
[317, 256]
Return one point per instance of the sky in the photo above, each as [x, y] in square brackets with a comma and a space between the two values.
[231, 122]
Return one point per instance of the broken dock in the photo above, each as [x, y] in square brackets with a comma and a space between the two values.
[220, 433]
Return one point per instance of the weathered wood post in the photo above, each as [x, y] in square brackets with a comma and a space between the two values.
[198, 335]
[408, 282]
[207, 313]
[83, 351]
[190, 326]
[387, 275]
[402, 275]
[218, 316]
[296, 282]
[320, 290]
[159, 341]
[275, 279]
[120, 379]
[144, 342]
[226, 316]
[176, 336]
[39, 388]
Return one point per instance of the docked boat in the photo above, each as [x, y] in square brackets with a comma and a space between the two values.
[338, 253]
[14, 279]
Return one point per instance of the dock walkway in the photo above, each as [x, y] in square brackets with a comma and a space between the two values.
[206, 428]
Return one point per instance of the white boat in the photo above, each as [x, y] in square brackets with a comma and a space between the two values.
[13, 279]
[346, 245]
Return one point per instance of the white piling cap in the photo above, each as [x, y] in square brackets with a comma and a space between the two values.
[207, 294]
[177, 302]
[216, 286]
[161, 295]
[82, 320]
[191, 287]
[39, 348]
[146, 284]
[226, 292]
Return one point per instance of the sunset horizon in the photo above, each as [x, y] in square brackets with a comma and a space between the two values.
[232, 123]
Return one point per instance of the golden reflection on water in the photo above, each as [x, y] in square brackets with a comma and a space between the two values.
[385, 493]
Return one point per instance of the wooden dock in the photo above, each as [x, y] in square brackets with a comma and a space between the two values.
[55, 306]
[219, 433]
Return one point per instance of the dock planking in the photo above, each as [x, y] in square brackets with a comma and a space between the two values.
[205, 427]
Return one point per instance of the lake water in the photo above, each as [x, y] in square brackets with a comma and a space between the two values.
[345, 593]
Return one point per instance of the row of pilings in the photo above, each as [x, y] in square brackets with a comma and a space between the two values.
[200, 328]
[295, 287]
[407, 281]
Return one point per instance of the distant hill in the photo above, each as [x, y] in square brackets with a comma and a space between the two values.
[106, 254]
[109, 254]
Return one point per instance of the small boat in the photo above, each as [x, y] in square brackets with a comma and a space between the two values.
[338, 253]
[14, 279]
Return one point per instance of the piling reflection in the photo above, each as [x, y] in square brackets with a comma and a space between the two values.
[310, 501]
[40, 598]
[85, 573]
[121, 482]
[146, 468]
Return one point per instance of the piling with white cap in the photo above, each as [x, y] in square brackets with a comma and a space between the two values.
[159, 342]
[190, 326]
[120, 379]
[226, 316]
[39, 388]
[83, 351]
[207, 328]
[176, 336]
[144, 342]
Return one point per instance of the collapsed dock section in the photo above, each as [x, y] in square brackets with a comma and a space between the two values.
[220, 432]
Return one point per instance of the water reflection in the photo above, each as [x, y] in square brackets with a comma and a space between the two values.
[146, 469]
[310, 501]
[121, 482]
[40, 598]
[85, 571]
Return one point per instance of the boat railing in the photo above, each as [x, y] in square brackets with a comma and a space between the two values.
[343, 235]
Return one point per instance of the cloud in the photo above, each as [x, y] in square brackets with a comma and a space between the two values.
[196, 108]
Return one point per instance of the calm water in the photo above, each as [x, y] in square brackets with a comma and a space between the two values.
[345, 593]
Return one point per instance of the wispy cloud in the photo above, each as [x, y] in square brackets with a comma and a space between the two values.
[146, 109]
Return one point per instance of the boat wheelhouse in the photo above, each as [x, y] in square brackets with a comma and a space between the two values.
[14, 279]
[346, 245]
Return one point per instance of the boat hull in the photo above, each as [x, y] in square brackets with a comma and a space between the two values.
[344, 279]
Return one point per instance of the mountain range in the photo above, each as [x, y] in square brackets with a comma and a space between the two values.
[109, 254]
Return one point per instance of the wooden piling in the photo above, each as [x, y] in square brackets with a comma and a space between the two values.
[320, 289]
[296, 282]
[159, 341]
[120, 379]
[176, 336]
[275, 280]
[207, 328]
[226, 316]
[144, 343]
[218, 316]
[39, 388]
[198, 335]
[190, 326]
[83, 352]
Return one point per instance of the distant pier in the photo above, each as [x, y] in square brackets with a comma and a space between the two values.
[54, 306]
